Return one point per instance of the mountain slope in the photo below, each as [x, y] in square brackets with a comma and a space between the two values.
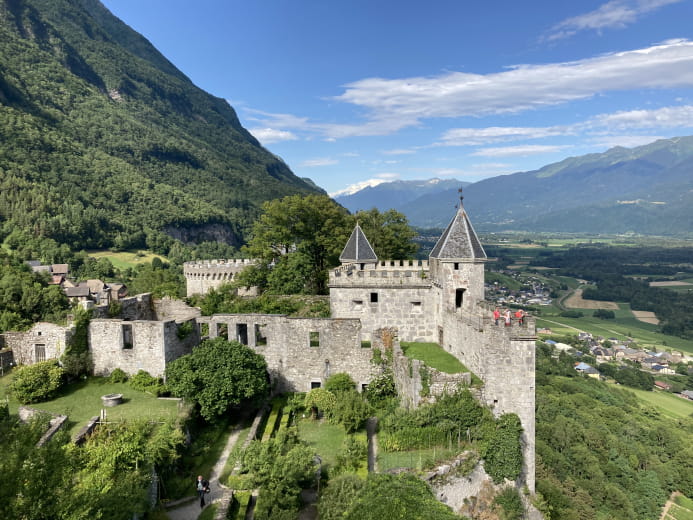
[648, 189]
[104, 141]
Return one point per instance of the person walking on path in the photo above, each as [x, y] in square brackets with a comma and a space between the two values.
[202, 489]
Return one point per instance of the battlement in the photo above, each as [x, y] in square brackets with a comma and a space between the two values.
[385, 272]
[203, 275]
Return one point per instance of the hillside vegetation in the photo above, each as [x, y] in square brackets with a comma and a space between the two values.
[105, 143]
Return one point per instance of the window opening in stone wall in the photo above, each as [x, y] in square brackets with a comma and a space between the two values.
[204, 330]
[40, 352]
[223, 331]
[364, 387]
[127, 336]
[242, 333]
[374, 297]
[315, 384]
[458, 298]
[363, 266]
[314, 338]
[440, 336]
[456, 266]
[260, 338]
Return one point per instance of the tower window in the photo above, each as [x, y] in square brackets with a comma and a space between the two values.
[456, 266]
[374, 297]
[127, 336]
[314, 338]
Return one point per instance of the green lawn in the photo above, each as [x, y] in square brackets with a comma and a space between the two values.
[82, 400]
[126, 259]
[681, 509]
[668, 404]
[325, 438]
[434, 356]
[415, 459]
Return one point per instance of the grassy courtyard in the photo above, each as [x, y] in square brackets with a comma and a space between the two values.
[81, 401]
[434, 356]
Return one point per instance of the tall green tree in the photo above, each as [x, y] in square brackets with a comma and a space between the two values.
[389, 233]
[313, 226]
[218, 374]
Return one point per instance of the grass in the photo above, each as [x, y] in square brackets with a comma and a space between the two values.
[668, 404]
[434, 356]
[681, 509]
[126, 259]
[325, 438]
[81, 401]
[415, 459]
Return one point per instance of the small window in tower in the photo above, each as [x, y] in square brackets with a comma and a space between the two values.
[456, 266]
[314, 338]
[374, 297]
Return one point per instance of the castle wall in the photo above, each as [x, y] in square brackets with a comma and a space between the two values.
[203, 275]
[300, 352]
[137, 345]
[42, 342]
[138, 307]
[504, 358]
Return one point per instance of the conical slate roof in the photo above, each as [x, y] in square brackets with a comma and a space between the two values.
[358, 249]
[459, 241]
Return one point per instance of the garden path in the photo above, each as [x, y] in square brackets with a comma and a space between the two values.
[220, 494]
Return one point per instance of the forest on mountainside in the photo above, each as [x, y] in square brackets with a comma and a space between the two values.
[600, 452]
[104, 143]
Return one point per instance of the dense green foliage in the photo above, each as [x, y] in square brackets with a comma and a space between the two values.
[26, 297]
[37, 382]
[383, 496]
[600, 453]
[281, 466]
[111, 145]
[218, 374]
[503, 454]
[110, 472]
[298, 238]
[340, 382]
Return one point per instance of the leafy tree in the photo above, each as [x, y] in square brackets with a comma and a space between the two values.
[350, 410]
[218, 374]
[319, 400]
[381, 387]
[389, 233]
[37, 382]
[313, 226]
[340, 494]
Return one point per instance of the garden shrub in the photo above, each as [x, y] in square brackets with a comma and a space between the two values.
[118, 376]
[381, 387]
[37, 382]
[503, 456]
[510, 503]
[350, 410]
[351, 455]
[340, 382]
[319, 400]
[144, 382]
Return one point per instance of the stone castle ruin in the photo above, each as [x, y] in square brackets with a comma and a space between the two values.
[440, 300]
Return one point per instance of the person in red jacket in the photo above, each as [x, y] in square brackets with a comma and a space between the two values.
[496, 316]
[520, 315]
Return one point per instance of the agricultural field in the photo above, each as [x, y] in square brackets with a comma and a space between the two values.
[679, 508]
[126, 259]
[667, 404]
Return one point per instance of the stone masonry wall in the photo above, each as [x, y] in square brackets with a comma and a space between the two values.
[503, 357]
[201, 276]
[138, 307]
[43, 340]
[406, 308]
[151, 344]
[297, 359]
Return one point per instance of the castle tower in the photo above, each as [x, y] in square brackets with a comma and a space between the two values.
[457, 264]
[358, 250]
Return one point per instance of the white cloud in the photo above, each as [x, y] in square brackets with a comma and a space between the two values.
[397, 103]
[400, 151]
[518, 151]
[272, 135]
[615, 14]
[320, 161]
[369, 183]
[494, 134]
[666, 117]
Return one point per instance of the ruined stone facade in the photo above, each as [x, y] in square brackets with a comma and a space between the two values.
[41, 342]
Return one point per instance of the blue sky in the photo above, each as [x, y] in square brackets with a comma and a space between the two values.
[359, 91]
